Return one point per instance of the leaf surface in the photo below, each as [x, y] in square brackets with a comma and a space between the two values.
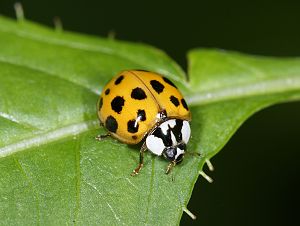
[52, 169]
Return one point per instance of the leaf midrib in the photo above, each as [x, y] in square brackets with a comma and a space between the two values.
[273, 87]
[259, 88]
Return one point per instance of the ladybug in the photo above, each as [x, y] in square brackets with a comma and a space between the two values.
[141, 106]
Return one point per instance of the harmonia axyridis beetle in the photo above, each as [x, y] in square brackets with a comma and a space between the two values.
[139, 105]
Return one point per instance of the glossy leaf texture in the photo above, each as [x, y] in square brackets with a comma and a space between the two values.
[52, 171]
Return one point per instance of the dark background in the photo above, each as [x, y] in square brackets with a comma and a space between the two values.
[257, 173]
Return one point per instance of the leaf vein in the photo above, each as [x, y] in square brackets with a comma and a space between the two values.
[27, 177]
[150, 190]
[78, 179]
[14, 120]
[107, 203]
[94, 48]
[45, 72]
[72, 45]
[251, 68]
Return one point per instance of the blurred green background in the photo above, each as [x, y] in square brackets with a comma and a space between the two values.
[256, 181]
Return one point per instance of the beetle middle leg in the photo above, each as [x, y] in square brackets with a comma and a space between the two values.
[101, 137]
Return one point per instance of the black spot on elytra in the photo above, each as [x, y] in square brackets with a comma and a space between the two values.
[134, 137]
[107, 91]
[168, 81]
[117, 104]
[174, 100]
[138, 94]
[119, 80]
[132, 127]
[184, 104]
[100, 103]
[111, 124]
[157, 86]
[141, 114]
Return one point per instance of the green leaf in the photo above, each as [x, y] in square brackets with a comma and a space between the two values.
[52, 169]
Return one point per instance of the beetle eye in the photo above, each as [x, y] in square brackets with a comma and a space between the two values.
[182, 146]
[179, 158]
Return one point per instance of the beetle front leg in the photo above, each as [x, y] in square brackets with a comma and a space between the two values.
[170, 167]
[141, 163]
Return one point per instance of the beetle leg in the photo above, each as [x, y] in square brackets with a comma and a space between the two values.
[141, 163]
[170, 166]
[102, 136]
